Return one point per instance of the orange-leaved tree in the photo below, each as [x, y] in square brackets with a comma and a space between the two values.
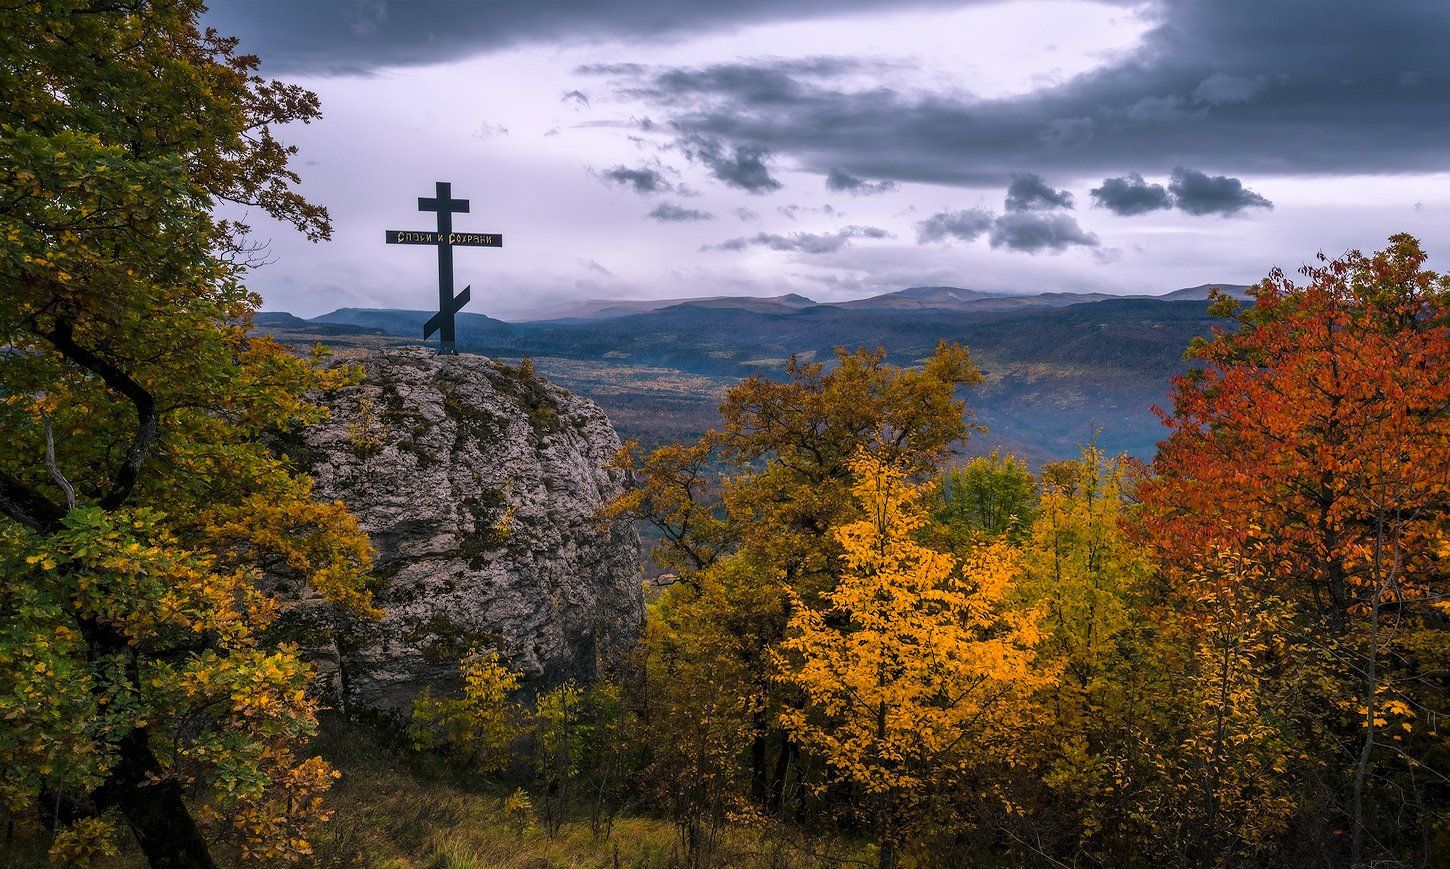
[144, 521]
[1314, 443]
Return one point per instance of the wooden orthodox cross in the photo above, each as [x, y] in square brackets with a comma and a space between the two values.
[445, 239]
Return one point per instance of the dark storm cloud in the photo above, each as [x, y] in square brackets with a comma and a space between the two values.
[1189, 190]
[1031, 233]
[765, 82]
[1019, 230]
[1130, 195]
[342, 36]
[1198, 193]
[643, 180]
[1222, 90]
[802, 242]
[1029, 192]
[667, 212]
[742, 166]
[1360, 87]
[842, 181]
[965, 225]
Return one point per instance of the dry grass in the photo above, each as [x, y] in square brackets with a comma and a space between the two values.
[395, 809]
[388, 815]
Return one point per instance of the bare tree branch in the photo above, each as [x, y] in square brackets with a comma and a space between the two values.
[62, 337]
[50, 465]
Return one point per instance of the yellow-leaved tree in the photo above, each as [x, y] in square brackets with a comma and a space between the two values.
[1084, 570]
[1228, 782]
[742, 515]
[915, 670]
[1090, 579]
[478, 727]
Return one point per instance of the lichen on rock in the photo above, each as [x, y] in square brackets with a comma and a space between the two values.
[479, 484]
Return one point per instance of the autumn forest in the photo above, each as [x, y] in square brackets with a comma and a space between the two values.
[861, 648]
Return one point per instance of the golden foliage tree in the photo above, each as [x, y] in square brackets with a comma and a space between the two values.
[750, 509]
[1088, 576]
[479, 725]
[915, 670]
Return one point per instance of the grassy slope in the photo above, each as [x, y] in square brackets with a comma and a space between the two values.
[396, 809]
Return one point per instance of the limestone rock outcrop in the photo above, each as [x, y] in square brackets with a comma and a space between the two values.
[479, 485]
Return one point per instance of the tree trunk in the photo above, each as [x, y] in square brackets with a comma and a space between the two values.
[1366, 751]
[758, 751]
[150, 801]
[153, 807]
[777, 778]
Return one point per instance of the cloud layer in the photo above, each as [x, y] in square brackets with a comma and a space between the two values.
[358, 36]
[1161, 115]
[842, 181]
[1199, 193]
[802, 242]
[742, 167]
[1033, 221]
[1364, 89]
[1033, 233]
[1131, 195]
[1028, 192]
[967, 224]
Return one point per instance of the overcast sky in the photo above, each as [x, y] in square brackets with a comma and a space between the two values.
[646, 149]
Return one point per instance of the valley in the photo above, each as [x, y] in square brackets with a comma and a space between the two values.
[1059, 369]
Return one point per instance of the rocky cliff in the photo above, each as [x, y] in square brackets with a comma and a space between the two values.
[478, 483]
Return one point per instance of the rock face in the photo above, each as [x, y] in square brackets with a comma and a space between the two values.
[478, 483]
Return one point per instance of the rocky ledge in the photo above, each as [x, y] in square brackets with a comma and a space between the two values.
[479, 484]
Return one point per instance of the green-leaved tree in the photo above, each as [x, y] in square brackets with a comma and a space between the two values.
[143, 523]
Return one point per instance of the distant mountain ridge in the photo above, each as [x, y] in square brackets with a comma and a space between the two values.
[280, 321]
[1200, 292]
[1060, 369]
[938, 298]
[598, 309]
